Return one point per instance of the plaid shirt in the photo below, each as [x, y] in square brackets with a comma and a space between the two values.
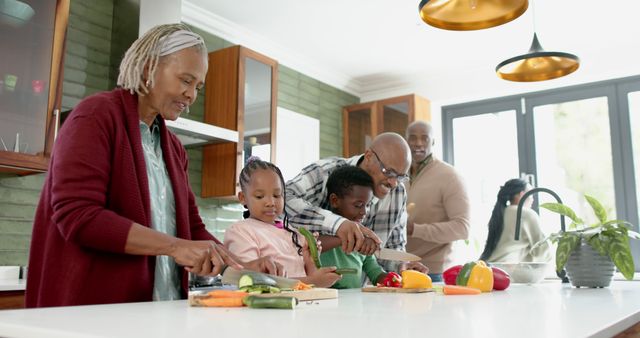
[307, 204]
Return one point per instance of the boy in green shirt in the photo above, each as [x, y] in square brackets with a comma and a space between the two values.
[349, 190]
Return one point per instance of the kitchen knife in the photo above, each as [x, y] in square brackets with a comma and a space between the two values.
[232, 276]
[395, 255]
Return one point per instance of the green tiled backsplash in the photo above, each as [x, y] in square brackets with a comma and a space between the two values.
[87, 66]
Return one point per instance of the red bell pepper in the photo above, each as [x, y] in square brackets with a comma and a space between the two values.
[392, 280]
[501, 279]
[449, 275]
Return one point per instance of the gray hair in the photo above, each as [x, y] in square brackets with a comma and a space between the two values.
[146, 51]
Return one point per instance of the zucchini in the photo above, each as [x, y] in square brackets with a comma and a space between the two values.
[270, 302]
[346, 271]
[313, 247]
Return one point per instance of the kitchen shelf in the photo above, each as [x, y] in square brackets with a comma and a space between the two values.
[193, 133]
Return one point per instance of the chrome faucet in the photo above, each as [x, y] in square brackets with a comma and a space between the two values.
[562, 274]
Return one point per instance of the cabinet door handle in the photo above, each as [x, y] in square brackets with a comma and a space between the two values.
[56, 114]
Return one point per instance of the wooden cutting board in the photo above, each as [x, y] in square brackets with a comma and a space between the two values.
[313, 294]
[393, 290]
[306, 295]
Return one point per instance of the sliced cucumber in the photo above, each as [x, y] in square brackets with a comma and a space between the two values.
[255, 279]
[245, 281]
[346, 271]
[258, 289]
[270, 302]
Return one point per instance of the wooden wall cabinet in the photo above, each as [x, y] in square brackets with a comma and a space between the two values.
[31, 49]
[363, 121]
[11, 299]
[241, 95]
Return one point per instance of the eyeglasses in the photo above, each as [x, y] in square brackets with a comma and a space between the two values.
[390, 173]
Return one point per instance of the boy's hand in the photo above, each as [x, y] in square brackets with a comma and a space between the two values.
[369, 247]
[371, 242]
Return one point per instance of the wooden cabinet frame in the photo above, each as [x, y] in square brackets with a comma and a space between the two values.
[375, 120]
[419, 109]
[224, 107]
[27, 163]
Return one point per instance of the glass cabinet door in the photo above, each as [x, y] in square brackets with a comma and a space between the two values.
[359, 128]
[26, 45]
[257, 110]
[395, 117]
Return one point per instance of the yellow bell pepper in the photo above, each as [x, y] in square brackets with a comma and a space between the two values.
[476, 275]
[412, 279]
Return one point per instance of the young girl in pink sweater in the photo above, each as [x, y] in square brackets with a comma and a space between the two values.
[264, 233]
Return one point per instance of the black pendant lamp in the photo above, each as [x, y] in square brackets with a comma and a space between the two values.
[467, 15]
[537, 65]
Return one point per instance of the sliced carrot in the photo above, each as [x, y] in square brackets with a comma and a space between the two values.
[459, 290]
[221, 302]
[302, 286]
[227, 294]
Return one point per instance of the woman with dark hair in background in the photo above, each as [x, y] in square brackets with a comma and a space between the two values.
[500, 245]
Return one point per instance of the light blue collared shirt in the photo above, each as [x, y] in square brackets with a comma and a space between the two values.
[163, 211]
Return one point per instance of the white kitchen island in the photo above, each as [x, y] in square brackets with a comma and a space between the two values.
[549, 309]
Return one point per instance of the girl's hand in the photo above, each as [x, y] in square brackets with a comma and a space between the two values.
[318, 242]
[268, 265]
[323, 277]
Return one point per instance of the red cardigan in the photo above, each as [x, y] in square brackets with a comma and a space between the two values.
[96, 187]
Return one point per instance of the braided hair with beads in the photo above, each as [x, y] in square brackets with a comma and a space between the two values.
[255, 163]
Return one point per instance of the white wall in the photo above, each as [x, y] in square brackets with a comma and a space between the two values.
[298, 142]
[157, 12]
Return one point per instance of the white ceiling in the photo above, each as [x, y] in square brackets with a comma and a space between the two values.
[380, 48]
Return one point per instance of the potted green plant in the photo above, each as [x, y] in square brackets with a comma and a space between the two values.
[590, 251]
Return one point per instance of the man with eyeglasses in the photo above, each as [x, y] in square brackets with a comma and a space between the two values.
[438, 203]
[387, 160]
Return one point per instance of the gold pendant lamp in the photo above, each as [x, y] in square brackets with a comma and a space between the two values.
[467, 15]
[537, 65]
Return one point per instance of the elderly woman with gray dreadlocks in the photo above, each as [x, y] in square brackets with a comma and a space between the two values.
[117, 221]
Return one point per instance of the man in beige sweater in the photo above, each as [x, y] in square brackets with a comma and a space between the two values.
[440, 211]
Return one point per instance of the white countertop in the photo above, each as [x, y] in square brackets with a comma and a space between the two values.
[545, 310]
[12, 284]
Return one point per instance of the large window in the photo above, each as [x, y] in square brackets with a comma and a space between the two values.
[573, 155]
[575, 141]
[634, 118]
